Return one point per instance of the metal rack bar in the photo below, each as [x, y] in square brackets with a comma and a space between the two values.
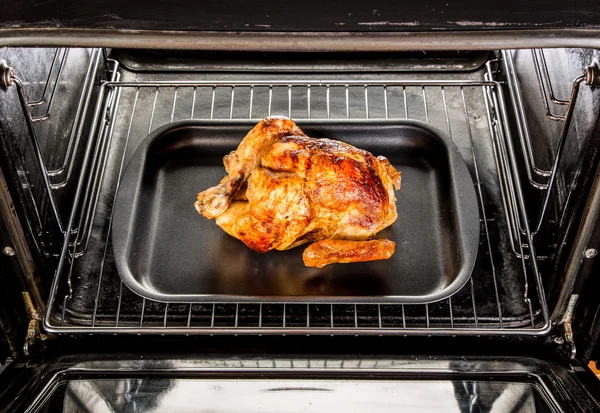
[77, 127]
[50, 100]
[309, 330]
[76, 200]
[546, 76]
[406, 100]
[547, 94]
[507, 188]
[446, 111]
[559, 150]
[367, 102]
[480, 195]
[231, 106]
[42, 99]
[516, 195]
[324, 83]
[308, 115]
[330, 315]
[252, 101]
[143, 311]
[327, 102]
[119, 305]
[194, 104]
[270, 100]
[348, 102]
[289, 101]
[360, 322]
[385, 102]
[523, 209]
[74, 135]
[38, 152]
[212, 318]
[473, 302]
[84, 225]
[84, 234]
[212, 103]
[522, 126]
[153, 111]
[425, 105]
[545, 85]
[260, 309]
[102, 264]
[307, 315]
[403, 316]
[462, 322]
[451, 312]
[174, 102]
[189, 318]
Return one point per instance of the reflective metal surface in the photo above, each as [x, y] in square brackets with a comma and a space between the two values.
[45, 113]
[147, 383]
[293, 396]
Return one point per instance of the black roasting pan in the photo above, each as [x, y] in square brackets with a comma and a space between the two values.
[165, 251]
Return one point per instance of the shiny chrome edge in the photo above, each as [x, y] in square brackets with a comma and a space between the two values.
[543, 330]
[547, 376]
[301, 41]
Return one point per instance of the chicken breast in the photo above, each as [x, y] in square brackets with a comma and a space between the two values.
[284, 189]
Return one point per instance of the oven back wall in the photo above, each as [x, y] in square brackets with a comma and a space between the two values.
[312, 15]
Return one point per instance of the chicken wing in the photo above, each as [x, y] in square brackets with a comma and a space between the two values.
[240, 163]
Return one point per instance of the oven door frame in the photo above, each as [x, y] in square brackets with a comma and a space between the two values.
[27, 386]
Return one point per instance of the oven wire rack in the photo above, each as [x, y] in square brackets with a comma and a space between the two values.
[160, 102]
[291, 318]
[548, 177]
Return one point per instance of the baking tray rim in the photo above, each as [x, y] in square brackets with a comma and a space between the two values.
[454, 157]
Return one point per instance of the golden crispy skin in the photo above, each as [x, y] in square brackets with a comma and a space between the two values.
[274, 215]
[240, 163]
[284, 189]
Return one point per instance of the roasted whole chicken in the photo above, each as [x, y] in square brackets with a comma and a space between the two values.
[284, 189]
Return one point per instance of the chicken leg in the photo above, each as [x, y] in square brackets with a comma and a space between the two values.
[341, 251]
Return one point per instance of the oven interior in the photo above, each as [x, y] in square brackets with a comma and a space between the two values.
[525, 121]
